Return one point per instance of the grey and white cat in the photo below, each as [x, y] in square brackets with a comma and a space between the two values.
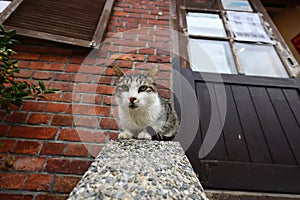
[143, 113]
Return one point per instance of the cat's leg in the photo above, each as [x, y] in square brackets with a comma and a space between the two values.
[144, 136]
[125, 135]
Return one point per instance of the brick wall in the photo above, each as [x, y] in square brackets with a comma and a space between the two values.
[55, 140]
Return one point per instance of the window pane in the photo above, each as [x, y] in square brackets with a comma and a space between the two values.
[3, 5]
[260, 60]
[247, 27]
[211, 56]
[205, 24]
[241, 5]
[210, 4]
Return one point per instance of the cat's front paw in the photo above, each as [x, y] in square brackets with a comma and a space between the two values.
[144, 136]
[125, 135]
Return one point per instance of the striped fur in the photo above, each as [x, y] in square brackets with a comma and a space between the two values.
[143, 114]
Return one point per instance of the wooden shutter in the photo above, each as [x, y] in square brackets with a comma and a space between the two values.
[74, 21]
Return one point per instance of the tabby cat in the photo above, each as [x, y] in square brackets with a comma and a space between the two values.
[143, 113]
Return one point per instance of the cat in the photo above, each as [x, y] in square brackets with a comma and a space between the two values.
[143, 113]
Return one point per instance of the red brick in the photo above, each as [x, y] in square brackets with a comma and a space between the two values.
[85, 78]
[90, 122]
[33, 132]
[11, 181]
[72, 68]
[3, 129]
[52, 97]
[24, 74]
[111, 48]
[23, 64]
[165, 93]
[149, 51]
[47, 66]
[160, 59]
[51, 148]
[104, 80]
[105, 89]
[133, 57]
[108, 123]
[78, 150]
[62, 86]
[159, 45]
[36, 118]
[62, 120]
[130, 43]
[125, 49]
[118, 13]
[67, 165]
[27, 56]
[56, 107]
[113, 135]
[105, 61]
[27, 147]
[6, 145]
[54, 58]
[70, 97]
[109, 100]
[147, 16]
[159, 22]
[92, 98]
[162, 38]
[51, 197]
[164, 32]
[82, 135]
[95, 150]
[42, 75]
[16, 196]
[163, 84]
[62, 77]
[85, 69]
[124, 5]
[28, 164]
[16, 117]
[34, 106]
[134, 10]
[164, 75]
[38, 182]
[65, 184]
[110, 72]
[89, 110]
[86, 88]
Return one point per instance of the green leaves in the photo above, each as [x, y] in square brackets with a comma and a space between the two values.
[13, 91]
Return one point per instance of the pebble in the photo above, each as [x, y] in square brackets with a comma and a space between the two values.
[135, 169]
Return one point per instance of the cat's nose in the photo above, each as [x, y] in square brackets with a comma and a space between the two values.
[132, 99]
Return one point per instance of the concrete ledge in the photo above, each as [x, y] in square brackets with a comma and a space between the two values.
[139, 170]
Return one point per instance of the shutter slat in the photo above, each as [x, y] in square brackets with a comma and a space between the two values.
[73, 18]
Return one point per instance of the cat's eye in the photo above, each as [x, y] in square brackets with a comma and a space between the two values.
[143, 88]
[124, 87]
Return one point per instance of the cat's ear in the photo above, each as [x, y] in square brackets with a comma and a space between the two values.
[153, 72]
[118, 71]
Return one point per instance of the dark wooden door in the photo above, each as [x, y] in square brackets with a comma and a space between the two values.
[259, 147]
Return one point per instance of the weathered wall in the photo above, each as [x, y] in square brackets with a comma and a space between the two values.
[287, 22]
[55, 140]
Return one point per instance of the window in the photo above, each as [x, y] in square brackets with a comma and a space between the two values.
[255, 59]
[231, 37]
[215, 56]
[240, 5]
[4, 5]
[205, 24]
[75, 21]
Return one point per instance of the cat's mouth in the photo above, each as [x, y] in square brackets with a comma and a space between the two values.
[132, 106]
